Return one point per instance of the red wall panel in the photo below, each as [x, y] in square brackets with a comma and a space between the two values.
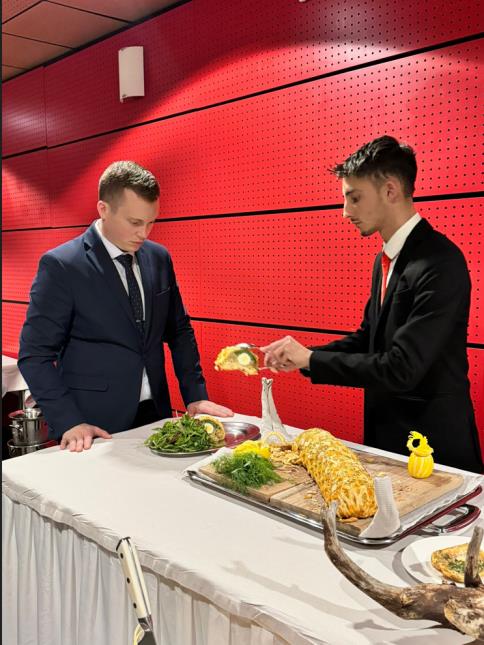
[176, 398]
[298, 402]
[210, 51]
[23, 112]
[13, 316]
[476, 376]
[25, 191]
[255, 45]
[309, 269]
[82, 91]
[21, 251]
[273, 151]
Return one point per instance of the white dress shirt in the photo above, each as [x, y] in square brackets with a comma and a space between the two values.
[395, 244]
[114, 251]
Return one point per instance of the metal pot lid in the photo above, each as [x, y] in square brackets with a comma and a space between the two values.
[28, 413]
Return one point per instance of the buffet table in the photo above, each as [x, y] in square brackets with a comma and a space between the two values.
[218, 572]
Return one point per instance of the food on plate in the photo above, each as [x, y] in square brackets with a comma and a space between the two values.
[213, 426]
[420, 462]
[237, 358]
[186, 434]
[246, 470]
[338, 472]
[258, 447]
[451, 562]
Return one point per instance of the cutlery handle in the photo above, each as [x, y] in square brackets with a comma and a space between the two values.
[128, 557]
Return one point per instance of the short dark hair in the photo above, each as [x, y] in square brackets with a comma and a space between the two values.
[380, 158]
[127, 174]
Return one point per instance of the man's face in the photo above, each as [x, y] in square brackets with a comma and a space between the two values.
[364, 204]
[130, 224]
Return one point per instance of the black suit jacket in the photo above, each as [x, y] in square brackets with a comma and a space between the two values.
[80, 350]
[410, 353]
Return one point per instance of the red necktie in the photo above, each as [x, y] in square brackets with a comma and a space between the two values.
[385, 266]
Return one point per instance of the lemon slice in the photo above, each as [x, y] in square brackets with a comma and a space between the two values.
[280, 438]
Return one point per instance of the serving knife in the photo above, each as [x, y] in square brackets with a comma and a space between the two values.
[135, 581]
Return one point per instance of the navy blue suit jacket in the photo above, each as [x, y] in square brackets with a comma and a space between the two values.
[80, 350]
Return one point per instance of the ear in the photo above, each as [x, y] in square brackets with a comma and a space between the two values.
[102, 209]
[392, 189]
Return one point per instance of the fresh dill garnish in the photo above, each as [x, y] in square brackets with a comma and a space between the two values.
[246, 470]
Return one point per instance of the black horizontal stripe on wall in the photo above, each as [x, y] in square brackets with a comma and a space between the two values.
[275, 211]
[220, 321]
[277, 88]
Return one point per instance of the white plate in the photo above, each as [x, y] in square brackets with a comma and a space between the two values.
[416, 556]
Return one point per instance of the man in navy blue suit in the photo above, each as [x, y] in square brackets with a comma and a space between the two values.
[101, 308]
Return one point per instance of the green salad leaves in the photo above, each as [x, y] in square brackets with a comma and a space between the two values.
[246, 470]
[185, 434]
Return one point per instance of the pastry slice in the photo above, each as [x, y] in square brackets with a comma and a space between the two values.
[451, 562]
[237, 358]
[213, 427]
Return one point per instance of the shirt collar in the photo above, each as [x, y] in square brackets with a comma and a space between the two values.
[111, 248]
[395, 244]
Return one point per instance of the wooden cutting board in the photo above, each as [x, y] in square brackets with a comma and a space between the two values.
[292, 477]
[298, 492]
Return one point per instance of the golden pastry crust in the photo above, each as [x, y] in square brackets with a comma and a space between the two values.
[338, 472]
[236, 358]
[450, 562]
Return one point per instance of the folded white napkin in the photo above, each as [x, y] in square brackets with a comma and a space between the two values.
[386, 519]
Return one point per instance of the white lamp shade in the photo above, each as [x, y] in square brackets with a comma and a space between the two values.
[131, 72]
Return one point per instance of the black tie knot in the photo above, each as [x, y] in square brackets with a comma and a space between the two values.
[126, 260]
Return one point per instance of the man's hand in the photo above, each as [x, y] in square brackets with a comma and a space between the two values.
[286, 355]
[80, 437]
[208, 407]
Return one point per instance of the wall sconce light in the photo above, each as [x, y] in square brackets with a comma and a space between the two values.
[131, 72]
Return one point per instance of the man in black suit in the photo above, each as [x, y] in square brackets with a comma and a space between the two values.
[101, 307]
[410, 350]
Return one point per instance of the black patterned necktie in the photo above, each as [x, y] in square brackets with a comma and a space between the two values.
[133, 290]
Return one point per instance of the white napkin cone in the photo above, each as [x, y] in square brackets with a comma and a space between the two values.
[386, 519]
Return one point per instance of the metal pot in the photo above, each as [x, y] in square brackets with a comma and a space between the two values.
[17, 451]
[28, 427]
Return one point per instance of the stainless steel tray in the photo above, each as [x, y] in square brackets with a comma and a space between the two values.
[235, 432]
[468, 514]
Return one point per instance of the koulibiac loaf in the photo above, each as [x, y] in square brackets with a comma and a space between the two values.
[338, 472]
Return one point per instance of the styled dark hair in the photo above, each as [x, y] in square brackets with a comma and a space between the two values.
[127, 174]
[380, 158]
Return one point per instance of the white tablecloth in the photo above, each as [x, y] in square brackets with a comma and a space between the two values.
[12, 380]
[218, 572]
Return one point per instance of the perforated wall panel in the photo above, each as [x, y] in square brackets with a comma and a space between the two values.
[21, 252]
[25, 191]
[183, 242]
[251, 45]
[476, 376]
[175, 396]
[83, 92]
[23, 113]
[298, 402]
[13, 316]
[273, 151]
[210, 51]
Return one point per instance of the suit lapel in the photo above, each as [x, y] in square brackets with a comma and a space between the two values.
[147, 280]
[415, 237]
[100, 258]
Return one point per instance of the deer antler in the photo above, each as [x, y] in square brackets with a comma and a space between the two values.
[461, 608]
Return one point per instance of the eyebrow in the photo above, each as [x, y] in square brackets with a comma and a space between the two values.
[349, 192]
